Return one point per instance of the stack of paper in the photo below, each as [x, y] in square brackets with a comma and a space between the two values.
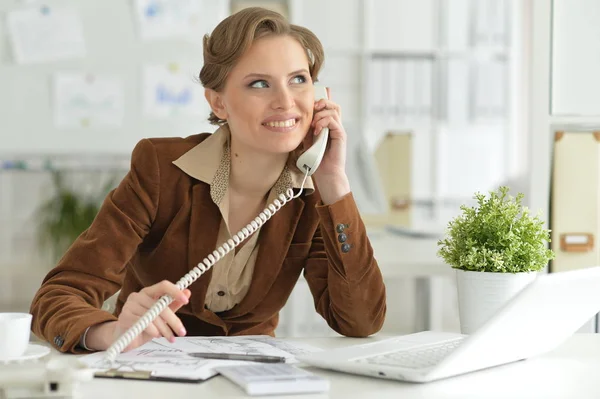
[172, 360]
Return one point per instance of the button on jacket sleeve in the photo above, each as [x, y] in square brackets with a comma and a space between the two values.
[72, 294]
[344, 278]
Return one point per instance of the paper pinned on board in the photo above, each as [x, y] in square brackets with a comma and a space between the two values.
[87, 101]
[170, 90]
[159, 19]
[167, 359]
[166, 18]
[45, 34]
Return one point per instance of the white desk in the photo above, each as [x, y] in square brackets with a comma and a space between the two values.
[571, 371]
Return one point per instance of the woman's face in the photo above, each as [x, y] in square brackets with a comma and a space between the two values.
[268, 96]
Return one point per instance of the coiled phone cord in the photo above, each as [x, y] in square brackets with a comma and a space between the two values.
[161, 304]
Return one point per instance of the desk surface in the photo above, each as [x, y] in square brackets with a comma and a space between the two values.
[570, 371]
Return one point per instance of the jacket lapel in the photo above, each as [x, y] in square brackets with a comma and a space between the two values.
[275, 238]
[204, 221]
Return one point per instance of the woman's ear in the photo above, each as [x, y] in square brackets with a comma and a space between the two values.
[215, 101]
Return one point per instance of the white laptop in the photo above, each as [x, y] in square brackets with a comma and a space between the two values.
[539, 318]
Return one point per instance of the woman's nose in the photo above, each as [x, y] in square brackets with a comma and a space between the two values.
[284, 99]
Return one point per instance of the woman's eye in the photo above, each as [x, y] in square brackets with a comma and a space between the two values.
[299, 79]
[259, 84]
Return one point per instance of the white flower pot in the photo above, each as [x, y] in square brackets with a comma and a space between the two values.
[481, 294]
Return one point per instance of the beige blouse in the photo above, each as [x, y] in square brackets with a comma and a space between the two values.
[210, 162]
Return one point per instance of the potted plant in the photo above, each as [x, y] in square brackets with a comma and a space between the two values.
[497, 248]
[64, 216]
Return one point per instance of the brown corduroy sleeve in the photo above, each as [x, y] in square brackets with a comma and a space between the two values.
[345, 280]
[72, 293]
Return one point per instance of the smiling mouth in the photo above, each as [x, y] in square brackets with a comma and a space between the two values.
[281, 124]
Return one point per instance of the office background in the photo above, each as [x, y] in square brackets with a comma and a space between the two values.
[442, 98]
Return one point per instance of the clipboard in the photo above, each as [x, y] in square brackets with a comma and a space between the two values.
[142, 375]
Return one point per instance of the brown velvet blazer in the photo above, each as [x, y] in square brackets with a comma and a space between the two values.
[160, 222]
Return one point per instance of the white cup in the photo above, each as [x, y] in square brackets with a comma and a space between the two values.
[14, 334]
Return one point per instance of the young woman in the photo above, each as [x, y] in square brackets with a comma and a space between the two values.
[183, 197]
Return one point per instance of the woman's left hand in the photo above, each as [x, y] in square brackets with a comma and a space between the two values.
[330, 176]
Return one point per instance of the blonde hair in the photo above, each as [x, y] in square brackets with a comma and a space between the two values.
[235, 34]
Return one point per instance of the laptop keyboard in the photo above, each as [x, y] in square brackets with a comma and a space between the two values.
[416, 358]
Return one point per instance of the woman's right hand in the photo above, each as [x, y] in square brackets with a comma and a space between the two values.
[167, 324]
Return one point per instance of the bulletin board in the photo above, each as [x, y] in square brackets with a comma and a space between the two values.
[96, 76]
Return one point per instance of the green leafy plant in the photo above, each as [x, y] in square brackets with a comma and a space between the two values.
[498, 235]
[63, 217]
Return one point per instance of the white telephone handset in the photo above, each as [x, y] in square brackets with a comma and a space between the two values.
[308, 162]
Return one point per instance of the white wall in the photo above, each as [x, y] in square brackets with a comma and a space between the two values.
[575, 62]
[540, 143]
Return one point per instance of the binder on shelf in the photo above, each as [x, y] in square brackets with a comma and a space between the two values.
[401, 91]
[575, 200]
[394, 160]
